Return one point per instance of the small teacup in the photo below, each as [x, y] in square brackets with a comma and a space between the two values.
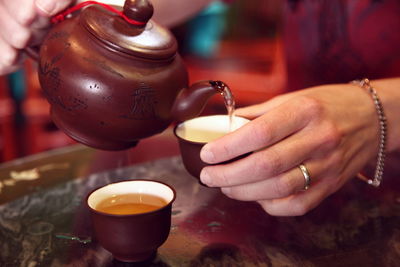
[132, 232]
[195, 133]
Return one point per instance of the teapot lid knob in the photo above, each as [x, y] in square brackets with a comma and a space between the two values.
[139, 10]
[145, 39]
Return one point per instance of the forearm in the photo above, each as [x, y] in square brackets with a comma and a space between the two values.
[173, 12]
[388, 91]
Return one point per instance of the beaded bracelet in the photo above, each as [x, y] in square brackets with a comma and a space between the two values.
[365, 84]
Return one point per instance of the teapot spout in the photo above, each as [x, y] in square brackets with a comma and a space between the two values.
[191, 101]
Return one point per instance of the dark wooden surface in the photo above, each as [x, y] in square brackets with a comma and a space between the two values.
[42, 212]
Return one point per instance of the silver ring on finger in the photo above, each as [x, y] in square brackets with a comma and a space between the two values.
[307, 177]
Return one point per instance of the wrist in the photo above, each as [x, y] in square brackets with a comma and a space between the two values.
[382, 134]
[389, 94]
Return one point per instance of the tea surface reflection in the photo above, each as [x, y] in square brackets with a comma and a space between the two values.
[130, 204]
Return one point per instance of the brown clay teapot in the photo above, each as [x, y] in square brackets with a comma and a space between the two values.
[111, 83]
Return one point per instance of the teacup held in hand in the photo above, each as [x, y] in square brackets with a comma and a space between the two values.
[195, 133]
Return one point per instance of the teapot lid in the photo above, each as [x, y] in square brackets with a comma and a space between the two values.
[149, 40]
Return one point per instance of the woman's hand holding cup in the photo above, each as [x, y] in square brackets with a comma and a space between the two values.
[330, 130]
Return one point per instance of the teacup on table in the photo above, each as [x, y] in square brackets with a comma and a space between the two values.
[195, 133]
[131, 219]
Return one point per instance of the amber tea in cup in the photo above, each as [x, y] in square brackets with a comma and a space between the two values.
[130, 204]
[131, 219]
[195, 133]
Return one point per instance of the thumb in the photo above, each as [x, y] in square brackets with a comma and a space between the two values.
[49, 8]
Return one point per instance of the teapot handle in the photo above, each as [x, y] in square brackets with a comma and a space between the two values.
[33, 52]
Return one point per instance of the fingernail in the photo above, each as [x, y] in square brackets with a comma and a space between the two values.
[205, 177]
[206, 155]
[226, 190]
[47, 6]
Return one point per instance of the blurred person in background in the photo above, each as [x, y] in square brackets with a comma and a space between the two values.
[308, 143]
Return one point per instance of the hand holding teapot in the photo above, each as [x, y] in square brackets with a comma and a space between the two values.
[24, 23]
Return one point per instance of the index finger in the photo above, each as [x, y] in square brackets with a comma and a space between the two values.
[259, 133]
[22, 11]
[257, 110]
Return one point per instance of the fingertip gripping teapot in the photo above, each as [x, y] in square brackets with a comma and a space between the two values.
[111, 83]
